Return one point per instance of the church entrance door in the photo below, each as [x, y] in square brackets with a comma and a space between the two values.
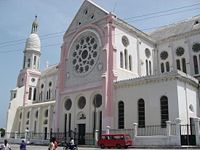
[81, 134]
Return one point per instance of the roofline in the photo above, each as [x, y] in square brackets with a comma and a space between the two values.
[93, 3]
[80, 9]
[139, 33]
[175, 75]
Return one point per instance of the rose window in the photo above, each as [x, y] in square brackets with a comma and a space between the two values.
[196, 47]
[164, 55]
[147, 53]
[85, 53]
[180, 51]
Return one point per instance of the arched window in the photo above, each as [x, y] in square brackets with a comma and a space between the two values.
[167, 66]
[34, 94]
[121, 115]
[130, 62]
[34, 62]
[126, 59]
[178, 65]
[29, 62]
[196, 66]
[163, 56]
[24, 62]
[162, 67]
[184, 65]
[121, 60]
[180, 61]
[47, 96]
[164, 111]
[49, 93]
[150, 70]
[141, 113]
[147, 68]
[41, 96]
[46, 113]
[196, 57]
[30, 93]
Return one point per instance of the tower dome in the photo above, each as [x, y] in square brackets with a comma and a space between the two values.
[33, 42]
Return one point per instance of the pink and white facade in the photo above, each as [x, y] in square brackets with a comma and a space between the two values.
[111, 74]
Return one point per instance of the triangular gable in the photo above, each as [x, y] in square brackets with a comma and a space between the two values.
[87, 13]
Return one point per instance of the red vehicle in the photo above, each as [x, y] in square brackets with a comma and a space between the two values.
[115, 140]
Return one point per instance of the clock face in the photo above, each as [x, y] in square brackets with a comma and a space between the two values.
[84, 53]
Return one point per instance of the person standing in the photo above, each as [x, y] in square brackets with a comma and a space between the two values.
[55, 143]
[51, 145]
[5, 146]
[23, 145]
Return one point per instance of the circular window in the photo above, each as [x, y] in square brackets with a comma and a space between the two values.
[97, 102]
[81, 102]
[46, 113]
[36, 114]
[180, 51]
[125, 41]
[191, 108]
[164, 55]
[147, 53]
[84, 53]
[33, 79]
[42, 86]
[196, 47]
[50, 84]
[68, 104]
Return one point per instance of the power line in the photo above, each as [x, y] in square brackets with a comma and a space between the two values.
[130, 18]
[164, 15]
[57, 34]
[44, 35]
[164, 11]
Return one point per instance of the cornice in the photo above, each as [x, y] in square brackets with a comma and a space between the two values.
[37, 105]
[154, 79]
[179, 36]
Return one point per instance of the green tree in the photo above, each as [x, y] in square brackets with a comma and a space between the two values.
[2, 132]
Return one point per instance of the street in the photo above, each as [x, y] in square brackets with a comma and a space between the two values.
[33, 147]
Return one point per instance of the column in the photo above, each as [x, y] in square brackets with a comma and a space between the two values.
[96, 137]
[135, 127]
[107, 129]
[197, 133]
[168, 128]
[178, 124]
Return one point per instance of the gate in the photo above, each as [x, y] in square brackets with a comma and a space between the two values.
[188, 136]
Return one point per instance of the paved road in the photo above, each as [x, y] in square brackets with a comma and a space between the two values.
[31, 147]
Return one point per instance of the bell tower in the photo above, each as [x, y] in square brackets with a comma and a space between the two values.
[30, 72]
[32, 48]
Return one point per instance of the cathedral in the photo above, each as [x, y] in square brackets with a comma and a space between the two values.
[109, 74]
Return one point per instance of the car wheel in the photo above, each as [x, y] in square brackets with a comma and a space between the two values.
[102, 146]
[118, 146]
[126, 147]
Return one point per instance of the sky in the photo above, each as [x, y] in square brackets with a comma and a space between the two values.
[54, 16]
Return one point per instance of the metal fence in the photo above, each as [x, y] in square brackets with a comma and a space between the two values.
[155, 130]
[173, 129]
[89, 138]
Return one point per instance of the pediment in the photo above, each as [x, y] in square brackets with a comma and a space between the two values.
[88, 12]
